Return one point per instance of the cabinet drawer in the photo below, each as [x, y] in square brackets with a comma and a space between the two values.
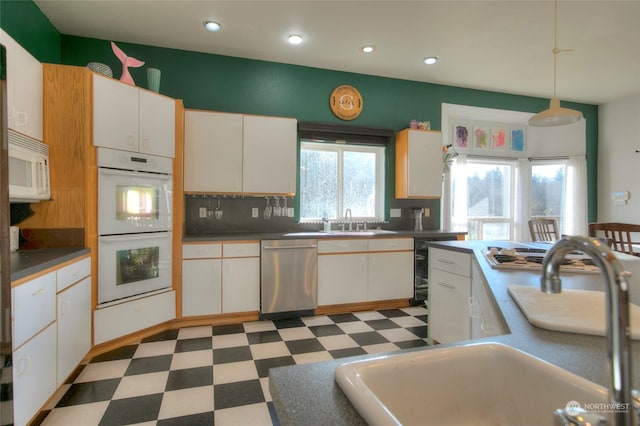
[390, 244]
[129, 317]
[342, 246]
[241, 249]
[73, 273]
[450, 261]
[34, 307]
[201, 251]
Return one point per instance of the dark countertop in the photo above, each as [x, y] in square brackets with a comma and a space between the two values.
[307, 394]
[250, 236]
[29, 262]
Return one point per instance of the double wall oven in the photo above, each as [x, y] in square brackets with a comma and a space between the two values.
[134, 224]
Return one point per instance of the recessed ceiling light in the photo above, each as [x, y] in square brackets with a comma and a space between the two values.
[430, 60]
[295, 39]
[212, 26]
[367, 49]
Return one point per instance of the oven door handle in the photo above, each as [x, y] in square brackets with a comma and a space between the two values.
[146, 175]
[134, 237]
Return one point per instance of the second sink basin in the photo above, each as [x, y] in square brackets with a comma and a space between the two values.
[478, 384]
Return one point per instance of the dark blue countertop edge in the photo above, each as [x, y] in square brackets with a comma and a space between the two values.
[29, 262]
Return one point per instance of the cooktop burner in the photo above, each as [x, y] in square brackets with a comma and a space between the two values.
[529, 258]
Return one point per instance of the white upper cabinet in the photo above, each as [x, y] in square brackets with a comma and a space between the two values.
[269, 155]
[234, 153]
[212, 152]
[24, 89]
[418, 164]
[128, 118]
[157, 130]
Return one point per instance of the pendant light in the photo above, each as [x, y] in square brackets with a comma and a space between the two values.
[555, 115]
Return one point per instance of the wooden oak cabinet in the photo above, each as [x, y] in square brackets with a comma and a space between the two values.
[418, 164]
[234, 153]
[24, 89]
[128, 118]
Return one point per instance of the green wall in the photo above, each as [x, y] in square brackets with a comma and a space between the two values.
[23, 21]
[222, 83]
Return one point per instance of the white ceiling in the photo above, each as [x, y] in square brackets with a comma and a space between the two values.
[502, 46]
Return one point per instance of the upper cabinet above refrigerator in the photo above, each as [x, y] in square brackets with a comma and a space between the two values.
[24, 89]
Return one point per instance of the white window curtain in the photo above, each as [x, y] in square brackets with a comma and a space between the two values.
[521, 199]
[458, 199]
[575, 220]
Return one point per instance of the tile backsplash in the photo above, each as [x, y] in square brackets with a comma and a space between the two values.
[237, 216]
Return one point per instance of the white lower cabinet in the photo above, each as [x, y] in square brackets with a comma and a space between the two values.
[201, 286]
[220, 278]
[449, 295]
[342, 278]
[360, 270]
[486, 318]
[240, 284]
[74, 327]
[128, 317]
[460, 303]
[34, 374]
[390, 275]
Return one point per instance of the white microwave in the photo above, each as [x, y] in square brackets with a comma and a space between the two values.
[28, 169]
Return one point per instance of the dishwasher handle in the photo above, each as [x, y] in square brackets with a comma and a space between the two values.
[312, 246]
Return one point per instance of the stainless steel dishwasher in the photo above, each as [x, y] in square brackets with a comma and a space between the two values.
[288, 278]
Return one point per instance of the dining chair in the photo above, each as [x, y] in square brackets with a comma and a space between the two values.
[544, 230]
[617, 235]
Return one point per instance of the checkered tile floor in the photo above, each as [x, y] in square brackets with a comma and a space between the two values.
[219, 375]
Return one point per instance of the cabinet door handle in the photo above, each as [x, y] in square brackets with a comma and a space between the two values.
[24, 366]
[39, 291]
[130, 140]
[21, 119]
[447, 285]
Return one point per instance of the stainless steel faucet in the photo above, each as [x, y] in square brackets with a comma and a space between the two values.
[617, 312]
[347, 215]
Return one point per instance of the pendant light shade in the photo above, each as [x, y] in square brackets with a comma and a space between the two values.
[555, 115]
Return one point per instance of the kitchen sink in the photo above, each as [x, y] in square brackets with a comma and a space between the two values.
[479, 384]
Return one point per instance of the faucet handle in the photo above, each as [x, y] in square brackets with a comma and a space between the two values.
[576, 416]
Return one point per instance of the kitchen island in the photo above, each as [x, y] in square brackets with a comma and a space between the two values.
[309, 395]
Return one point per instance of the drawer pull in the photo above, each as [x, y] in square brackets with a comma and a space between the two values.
[39, 291]
[447, 261]
[447, 285]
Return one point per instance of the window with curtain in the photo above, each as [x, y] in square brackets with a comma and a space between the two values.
[494, 198]
[335, 177]
[483, 198]
[558, 191]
